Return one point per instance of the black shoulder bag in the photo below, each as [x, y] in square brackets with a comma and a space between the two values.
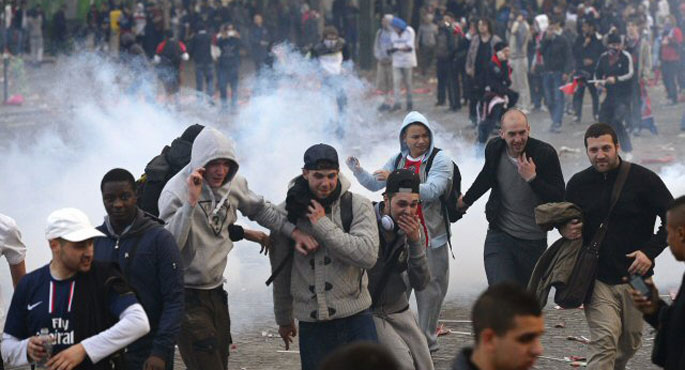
[581, 282]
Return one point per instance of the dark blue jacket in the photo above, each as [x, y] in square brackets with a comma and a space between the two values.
[200, 48]
[151, 263]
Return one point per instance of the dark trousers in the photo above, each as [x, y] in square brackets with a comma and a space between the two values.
[536, 90]
[578, 99]
[228, 76]
[669, 71]
[204, 73]
[614, 112]
[135, 360]
[319, 339]
[206, 330]
[447, 81]
[554, 98]
[510, 259]
[634, 119]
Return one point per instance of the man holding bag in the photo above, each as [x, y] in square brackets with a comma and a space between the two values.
[629, 247]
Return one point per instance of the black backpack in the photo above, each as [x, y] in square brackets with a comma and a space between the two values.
[448, 201]
[171, 54]
[163, 167]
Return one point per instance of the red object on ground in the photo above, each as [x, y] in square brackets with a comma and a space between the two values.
[17, 99]
[440, 331]
[234, 346]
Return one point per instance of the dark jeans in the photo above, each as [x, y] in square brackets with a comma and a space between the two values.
[136, 359]
[228, 76]
[554, 98]
[510, 259]
[318, 339]
[578, 99]
[634, 119]
[447, 81]
[205, 330]
[615, 111]
[669, 70]
[204, 73]
[536, 90]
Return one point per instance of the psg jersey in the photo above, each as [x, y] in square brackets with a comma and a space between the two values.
[41, 301]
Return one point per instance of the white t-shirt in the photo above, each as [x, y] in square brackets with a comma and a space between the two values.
[12, 248]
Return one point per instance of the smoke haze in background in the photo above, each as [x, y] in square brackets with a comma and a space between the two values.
[101, 128]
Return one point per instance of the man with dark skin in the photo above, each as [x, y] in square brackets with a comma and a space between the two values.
[139, 244]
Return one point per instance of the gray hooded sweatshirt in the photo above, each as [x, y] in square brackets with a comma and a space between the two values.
[436, 183]
[202, 231]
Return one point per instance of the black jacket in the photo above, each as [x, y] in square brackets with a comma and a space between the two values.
[631, 227]
[200, 48]
[622, 70]
[556, 54]
[463, 360]
[670, 324]
[498, 76]
[548, 184]
[151, 262]
[593, 50]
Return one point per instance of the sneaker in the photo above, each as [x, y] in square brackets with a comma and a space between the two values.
[438, 104]
[555, 129]
[383, 107]
[396, 106]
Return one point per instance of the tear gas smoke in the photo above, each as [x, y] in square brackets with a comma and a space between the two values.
[61, 163]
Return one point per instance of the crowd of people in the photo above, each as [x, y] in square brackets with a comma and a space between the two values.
[344, 267]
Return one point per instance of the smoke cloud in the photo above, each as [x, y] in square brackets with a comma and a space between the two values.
[95, 126]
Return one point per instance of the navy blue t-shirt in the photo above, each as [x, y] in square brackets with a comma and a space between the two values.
[40, 301]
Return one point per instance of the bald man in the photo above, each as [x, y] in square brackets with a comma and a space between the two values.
[523, 173]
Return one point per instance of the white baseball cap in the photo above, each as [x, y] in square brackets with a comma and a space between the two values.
[71, 225]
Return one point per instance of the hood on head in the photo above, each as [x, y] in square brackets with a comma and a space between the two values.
[209, 145]
[414, 117]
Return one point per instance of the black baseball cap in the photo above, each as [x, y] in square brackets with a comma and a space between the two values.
[321, 157]
[402, 181]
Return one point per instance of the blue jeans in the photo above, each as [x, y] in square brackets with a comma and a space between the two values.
[204, 72]
[510, 259]
[319, 339]
[228, 76]
[553, 96]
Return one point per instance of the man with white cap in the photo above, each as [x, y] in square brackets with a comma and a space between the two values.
[73, 312]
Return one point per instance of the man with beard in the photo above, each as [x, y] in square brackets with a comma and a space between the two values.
[325, 288]
[148, 256]
[84, 306]
[401, 264]
[523, 173]
[614, 72]
[630, 245]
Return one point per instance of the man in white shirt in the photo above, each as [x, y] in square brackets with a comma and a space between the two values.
[403, 60]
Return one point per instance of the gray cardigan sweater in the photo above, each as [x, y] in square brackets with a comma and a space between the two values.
[330, 283]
